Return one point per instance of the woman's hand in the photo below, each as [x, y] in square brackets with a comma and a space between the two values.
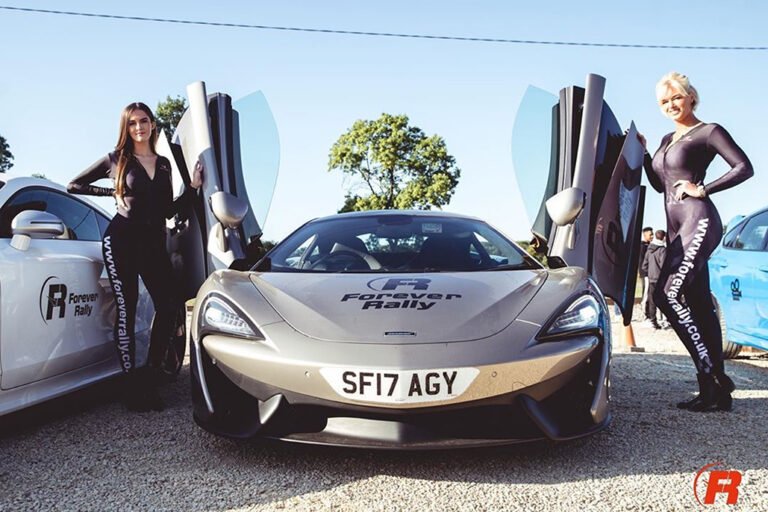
[685, 187]
[197, 175]
[120, 201]
[642, 140]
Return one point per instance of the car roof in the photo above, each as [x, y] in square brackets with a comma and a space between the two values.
[29, 181]
[15, 183]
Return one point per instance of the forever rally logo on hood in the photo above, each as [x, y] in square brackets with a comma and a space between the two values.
[392, 294]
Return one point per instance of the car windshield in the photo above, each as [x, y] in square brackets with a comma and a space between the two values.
[397, 243]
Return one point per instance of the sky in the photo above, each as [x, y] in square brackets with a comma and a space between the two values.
[65, 79]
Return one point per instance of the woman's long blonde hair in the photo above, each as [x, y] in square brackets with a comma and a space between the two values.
[124, 147]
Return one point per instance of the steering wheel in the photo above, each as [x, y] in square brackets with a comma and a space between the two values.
[345, 260]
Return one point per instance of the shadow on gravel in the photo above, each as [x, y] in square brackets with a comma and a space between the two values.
[27, 421]
[97, 455]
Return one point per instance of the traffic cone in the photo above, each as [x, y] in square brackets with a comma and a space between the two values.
[629, 339]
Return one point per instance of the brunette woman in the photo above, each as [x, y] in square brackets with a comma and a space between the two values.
[135, 244]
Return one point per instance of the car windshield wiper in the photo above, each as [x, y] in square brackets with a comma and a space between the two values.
[511, 266]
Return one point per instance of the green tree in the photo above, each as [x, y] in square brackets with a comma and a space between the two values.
[39, 175]
[541, 258]
[6, 157]
[393, 165]
[168, 114]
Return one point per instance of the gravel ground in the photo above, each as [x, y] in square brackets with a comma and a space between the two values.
[85, 452]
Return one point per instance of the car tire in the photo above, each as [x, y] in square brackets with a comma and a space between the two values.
[730, 349]
[173, 358]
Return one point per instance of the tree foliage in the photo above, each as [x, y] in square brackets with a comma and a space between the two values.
[6, 157]
[168, 114]
[541, 258]
[393, 166]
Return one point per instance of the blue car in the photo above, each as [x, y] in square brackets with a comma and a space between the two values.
[739, 280]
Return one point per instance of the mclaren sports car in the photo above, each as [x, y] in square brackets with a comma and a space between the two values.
[404, 329]
[417, 329]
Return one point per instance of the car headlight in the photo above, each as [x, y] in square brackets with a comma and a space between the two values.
[218, 315]
[582, 315]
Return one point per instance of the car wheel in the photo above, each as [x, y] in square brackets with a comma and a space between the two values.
[730, 349]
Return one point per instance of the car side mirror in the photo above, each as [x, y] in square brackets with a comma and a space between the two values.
[31, 224]
[565, 206]
[228, 209]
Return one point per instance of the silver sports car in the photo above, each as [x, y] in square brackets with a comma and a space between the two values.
[406, 329]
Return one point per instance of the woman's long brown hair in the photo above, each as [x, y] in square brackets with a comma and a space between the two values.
[124, 147]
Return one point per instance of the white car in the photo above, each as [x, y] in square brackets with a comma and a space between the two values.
[56, 307]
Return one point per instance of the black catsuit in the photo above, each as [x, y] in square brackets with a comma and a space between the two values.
[694, 230]
[135, 245]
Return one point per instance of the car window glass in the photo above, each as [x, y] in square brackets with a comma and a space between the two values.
[398, 243]
[295, 256]
[78, 217]
[103, 224]
[534, 156]
[752, 237]
[259, 158]
[34, 199]
[731, 236]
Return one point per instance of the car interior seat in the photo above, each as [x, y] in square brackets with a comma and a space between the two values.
[444, 252]
[355, 245]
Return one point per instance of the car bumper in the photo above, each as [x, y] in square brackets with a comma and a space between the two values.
[559, 391]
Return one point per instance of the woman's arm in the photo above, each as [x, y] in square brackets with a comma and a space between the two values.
[81, 184]
[721, 142]
[182, 205]
[653, 179]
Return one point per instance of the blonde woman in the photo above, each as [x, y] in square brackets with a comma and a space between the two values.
[678, 170]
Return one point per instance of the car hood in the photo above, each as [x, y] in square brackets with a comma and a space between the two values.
[406, 308]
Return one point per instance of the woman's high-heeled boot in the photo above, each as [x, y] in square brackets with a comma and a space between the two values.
[725, 381]
[151, 388]
[686, 404]
[133, 392]
[709, 395]
[727, 386]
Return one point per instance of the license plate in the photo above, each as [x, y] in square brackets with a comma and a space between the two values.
[399, 386]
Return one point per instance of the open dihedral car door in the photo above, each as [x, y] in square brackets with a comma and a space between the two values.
[581, 183]
[237, 145]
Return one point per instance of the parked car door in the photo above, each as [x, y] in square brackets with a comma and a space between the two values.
[54, 303]
[739, 277]
[574, 142]
[238, 146]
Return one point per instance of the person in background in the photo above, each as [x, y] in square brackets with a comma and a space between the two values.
[135, 244]
[678, 169]
[644, 243]
[652, 264]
